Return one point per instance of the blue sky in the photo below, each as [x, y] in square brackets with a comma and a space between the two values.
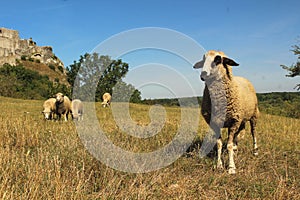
[257, 34]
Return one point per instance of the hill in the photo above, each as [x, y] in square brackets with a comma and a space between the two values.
[55, 73]
[20, 82]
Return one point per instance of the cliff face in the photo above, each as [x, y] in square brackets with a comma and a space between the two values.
[12, 48]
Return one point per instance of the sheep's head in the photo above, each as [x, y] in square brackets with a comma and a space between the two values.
[47, 114]
[76, 116]
[59, 97]
[214, 64]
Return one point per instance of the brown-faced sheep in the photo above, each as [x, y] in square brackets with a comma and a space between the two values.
[228, 102]
[49, 108]
[63, 106]
[77, 109]
[106, 99]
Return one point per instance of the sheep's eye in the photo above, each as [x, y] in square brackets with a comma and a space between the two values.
[218, 60]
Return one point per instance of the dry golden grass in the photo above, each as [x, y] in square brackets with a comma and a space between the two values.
[46, 160]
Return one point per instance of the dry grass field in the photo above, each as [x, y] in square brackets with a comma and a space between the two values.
[46, 160]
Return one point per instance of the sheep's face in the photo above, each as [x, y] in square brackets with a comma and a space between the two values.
[213, 65]
[47, 114]
[104, 103]
[75, 115]
[59, 97]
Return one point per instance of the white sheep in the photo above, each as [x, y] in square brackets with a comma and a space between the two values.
[77, 109]
[228, 102]
[106, 99]
[63, 106]
[49, 108]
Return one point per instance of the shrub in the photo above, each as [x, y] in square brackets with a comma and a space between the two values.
[51, 67]
[19, 82]
[61, 69]
[23, 57]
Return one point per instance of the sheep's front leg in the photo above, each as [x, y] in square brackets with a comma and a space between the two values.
[58, 117]
[219, 145]
[217, 132]
[230, 148]
[65, 117]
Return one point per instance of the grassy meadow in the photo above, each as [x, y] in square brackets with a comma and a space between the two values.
[47, 160]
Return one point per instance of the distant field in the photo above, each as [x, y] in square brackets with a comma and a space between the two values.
[46, 160]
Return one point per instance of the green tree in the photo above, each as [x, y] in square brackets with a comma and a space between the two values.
[93, 75]
[294, 69]
[115, 70]
[123, 92]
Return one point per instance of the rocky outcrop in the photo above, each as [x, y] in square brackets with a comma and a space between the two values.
[12, 48]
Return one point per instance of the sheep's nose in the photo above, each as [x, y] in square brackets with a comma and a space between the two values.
[203, 75]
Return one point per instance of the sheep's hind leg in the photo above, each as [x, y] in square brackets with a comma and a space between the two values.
[253, 132]
[238, 136]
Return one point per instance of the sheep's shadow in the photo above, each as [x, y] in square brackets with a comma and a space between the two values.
[194, 149]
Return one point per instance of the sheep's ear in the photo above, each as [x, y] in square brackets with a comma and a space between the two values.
[230, 62]
[199, 64]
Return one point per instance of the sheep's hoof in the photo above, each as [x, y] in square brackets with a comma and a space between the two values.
[234, 147]
[220, 166]
[231, 171]
[255, 152]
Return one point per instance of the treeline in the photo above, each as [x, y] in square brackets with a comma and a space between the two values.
[280, 103]
[185, 101]
[277, 103]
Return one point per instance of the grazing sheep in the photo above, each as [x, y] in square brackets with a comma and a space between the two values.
[63, 106]
[49, 108]
[106, 99]
[228, 102]
[77, 109]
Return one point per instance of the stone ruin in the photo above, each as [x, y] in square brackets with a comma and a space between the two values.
[12, 48]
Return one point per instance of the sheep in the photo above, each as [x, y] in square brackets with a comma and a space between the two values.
[77, 109]
[106, 99]
[228, 102]
[63, 106]
[49, 108]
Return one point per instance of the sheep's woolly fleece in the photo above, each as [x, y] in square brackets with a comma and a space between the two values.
[228, 101]
[63, 106]
[49, 108]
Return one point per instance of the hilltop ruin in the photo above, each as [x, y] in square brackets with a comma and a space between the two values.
[12, 48]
